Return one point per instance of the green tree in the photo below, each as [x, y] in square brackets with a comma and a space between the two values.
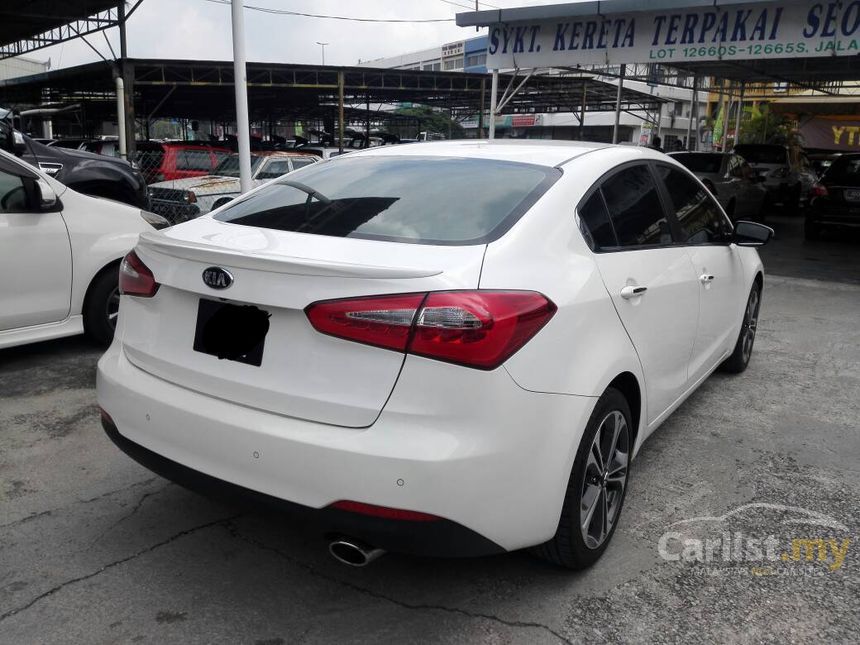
[432, 120]
[765, 125]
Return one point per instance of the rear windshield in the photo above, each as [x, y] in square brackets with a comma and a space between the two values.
[700, 162]
[763, 154]
[845, 171]
[422, 200]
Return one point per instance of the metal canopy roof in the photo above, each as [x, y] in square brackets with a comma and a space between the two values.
[27, 25]
[204, 90]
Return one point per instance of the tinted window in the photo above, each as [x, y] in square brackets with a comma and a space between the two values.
[193, 160]
[431, 200]
[595, 225]
[275, 168]
[763, 153]
[635, 208]
[301, 162]
[845, 170]
[13, 196]
[229, 166]
[700, 218]
[704, 162]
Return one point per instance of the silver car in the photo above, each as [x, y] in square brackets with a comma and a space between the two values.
[729, 177]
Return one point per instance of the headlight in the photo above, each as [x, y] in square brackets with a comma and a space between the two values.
[155, 221]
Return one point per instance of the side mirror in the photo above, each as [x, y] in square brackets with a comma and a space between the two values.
[47, 198]
[751, 233]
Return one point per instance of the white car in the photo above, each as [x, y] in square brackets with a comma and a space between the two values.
[179, 200]
[447, 349]
[59, 255]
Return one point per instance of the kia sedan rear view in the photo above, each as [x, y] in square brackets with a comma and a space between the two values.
[448, 349]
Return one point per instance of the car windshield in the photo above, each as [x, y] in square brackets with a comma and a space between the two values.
[229, 166]
[844, 171]
[700, 161]
[421, 200]
[763, 154]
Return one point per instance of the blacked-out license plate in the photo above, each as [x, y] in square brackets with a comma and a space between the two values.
[231, 332]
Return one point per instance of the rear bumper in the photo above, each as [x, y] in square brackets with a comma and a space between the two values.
[468, 446]
[437, 538]
[849, 217]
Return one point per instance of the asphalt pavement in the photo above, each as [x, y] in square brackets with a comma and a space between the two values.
[96, 549]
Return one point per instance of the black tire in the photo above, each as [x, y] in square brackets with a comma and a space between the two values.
[740, 358]
[101, 305]
[570, 547]
[811, 230]
[220, 202]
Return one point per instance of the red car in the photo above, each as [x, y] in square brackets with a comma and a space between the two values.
[165, 161]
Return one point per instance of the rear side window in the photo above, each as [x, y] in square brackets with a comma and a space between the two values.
[193, 159]
[635, 208]
[301, 162]
[595, 225]
[423, 200]
[700, 217]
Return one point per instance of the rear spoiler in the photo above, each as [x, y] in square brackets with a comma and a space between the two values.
[160, 243]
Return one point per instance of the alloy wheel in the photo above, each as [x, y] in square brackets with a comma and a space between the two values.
[112, 308]
[605, 479]
[750, 323]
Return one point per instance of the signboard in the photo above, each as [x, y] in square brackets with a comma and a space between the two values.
[786, 29]
[832, 133]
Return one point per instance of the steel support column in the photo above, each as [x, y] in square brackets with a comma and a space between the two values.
[240, 75]
[694, 105]
[340, 81]
[739, 114]
[494, 90]
[618, 103]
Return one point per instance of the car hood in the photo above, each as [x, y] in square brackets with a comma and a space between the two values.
[208, 184]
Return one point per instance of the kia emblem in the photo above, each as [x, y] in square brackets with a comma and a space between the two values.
[217, 278]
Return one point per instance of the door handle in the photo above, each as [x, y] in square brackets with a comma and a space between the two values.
[631, 292]
[705, 278]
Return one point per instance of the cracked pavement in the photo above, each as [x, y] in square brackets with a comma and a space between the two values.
[96, 549]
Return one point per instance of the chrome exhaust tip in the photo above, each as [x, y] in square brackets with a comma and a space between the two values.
[353, 553]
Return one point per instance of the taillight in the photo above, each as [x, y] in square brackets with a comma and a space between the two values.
[479, 329]
[135, 278]
[818, 190]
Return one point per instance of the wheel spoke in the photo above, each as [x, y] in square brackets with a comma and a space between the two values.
[590, 506]
[604, 516]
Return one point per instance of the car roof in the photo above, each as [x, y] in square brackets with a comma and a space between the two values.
[547, 153]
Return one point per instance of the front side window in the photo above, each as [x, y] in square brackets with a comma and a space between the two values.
[423, 200]
[700, 218]
[301, 162]
[635, 208]
[13, 194]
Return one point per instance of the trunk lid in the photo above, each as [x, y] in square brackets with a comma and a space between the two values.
[302, 373]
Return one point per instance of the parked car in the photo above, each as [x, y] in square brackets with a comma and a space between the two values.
[730, 179]
[60, 253]
[183, 199]
[788, 175]
[168, 160]
[323, 152]
[108, 147]
[83, 171]
[423, 349]
[835, 198]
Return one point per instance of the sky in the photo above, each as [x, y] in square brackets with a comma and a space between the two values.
[200, 29]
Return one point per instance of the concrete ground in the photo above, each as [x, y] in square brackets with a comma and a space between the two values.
[95, 549]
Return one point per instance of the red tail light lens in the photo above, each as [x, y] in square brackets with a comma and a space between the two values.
[384, 511]
[135, 278]
[479, 329]
[818, 190]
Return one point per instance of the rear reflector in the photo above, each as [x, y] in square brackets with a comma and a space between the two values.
[135, 278]
[384, 511]
[479, 329]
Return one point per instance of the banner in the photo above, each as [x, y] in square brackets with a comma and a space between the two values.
[787, 29]
[832, 133]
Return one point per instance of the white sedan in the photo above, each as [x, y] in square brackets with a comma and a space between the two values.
[448, 349]
[59, 256]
